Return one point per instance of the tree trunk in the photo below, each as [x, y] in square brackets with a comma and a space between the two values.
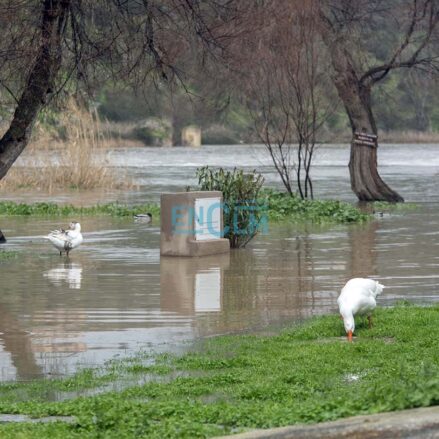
[356, 97]
[39, 84]
[363, 167]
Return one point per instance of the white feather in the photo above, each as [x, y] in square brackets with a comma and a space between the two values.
[358, 296]
[66, 240]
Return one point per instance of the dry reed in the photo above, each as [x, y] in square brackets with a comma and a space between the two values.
[79, 161]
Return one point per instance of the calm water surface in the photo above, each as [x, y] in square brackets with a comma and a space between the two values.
[115, 295]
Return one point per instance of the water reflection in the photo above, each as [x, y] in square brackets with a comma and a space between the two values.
[192, 285]
[17, 343]
[68, 273]
[363, 250]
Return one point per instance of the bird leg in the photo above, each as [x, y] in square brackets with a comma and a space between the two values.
[369, 319]
[67, 253]
[60, 253]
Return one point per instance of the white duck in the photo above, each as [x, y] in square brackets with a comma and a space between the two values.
[66, 240]
[358, 296]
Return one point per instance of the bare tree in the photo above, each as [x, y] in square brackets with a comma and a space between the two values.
[285, 92]
[346, 28]
[51, 45]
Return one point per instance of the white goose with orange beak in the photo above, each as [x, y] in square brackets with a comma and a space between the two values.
[358, 296]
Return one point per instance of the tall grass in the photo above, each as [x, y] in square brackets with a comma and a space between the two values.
[78, 160]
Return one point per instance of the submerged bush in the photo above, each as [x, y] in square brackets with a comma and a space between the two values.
[244, 209]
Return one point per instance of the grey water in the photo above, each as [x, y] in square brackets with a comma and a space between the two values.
[115, 295]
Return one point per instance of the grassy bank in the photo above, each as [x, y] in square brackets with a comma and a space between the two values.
[280, 207]
[307, 373]
[9, 208]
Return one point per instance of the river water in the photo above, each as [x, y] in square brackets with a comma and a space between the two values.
[115, 295]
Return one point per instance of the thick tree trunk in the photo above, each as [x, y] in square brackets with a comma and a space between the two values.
[356, 97]
[363, 166]
[39, 84]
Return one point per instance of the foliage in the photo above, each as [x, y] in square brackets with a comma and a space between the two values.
[282, 206]
[305, 374]
[278, 206]
[52, 209]
[244, 211]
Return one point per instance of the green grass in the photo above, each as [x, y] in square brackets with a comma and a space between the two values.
[305, 374]
[384, 206]
[280, 207]
[9, 208]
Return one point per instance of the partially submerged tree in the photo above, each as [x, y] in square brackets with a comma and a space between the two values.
[52, 44]
[351, 31]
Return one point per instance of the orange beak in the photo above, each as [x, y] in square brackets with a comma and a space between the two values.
[350, 336]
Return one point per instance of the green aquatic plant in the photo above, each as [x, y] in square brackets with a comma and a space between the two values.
[282, 206]
[306, 373]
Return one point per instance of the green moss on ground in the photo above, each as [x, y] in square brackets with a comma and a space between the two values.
[307, 373]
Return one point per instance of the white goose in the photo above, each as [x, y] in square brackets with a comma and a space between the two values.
[66, 240]
[358, 296]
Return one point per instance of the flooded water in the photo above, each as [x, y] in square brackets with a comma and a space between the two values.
[115, 295]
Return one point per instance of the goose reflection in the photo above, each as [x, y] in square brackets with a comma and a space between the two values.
[69, 273]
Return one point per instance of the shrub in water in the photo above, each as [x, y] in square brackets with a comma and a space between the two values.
[244, 211]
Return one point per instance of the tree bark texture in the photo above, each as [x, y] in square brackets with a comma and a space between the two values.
[366, 182]
[39, 85]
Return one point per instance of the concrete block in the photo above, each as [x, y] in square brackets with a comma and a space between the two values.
[192, 224]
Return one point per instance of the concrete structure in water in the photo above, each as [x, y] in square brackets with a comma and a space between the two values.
[191, 136]
[192, 224]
